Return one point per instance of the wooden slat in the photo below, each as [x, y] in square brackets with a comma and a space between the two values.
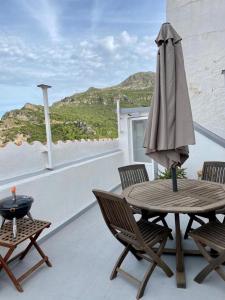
[212, 234]
[25, 229]
[31, 270]
[193, 196]
[133, 174]
[128, 276]
[214, 171]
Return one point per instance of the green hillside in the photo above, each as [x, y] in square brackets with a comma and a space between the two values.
[90, 114]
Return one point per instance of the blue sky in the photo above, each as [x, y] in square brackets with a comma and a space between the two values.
[72, 45]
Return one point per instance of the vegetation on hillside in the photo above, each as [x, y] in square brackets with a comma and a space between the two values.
[87, 115]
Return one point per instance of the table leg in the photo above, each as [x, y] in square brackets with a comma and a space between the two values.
[41, 253]
[38, 248]
[180, 272]
[4, 265]
[30, 245]
[7, 256]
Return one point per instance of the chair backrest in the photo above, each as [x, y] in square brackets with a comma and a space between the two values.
[214, 171]
[132, 174]
[118, 216]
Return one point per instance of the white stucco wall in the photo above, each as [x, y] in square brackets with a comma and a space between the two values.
[202, 28]
[61, 194]
[28, 158]
[204, 150]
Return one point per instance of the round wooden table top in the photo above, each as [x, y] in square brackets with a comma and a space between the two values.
[193, 196]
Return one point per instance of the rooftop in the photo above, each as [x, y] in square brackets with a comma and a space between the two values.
[82, 266]
[79, 245]
[89, 146]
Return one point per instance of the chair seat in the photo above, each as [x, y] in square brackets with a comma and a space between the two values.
[211, 234]
[151, 232]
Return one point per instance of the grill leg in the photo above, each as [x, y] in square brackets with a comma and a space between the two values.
[30, 217]
[14, 225]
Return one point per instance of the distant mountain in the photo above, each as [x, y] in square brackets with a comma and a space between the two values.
[137, 88]
[90, 114]
[141, 80]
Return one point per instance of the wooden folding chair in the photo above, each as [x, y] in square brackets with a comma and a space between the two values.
[210, 235]
[212, 171]
[137, 173]
[137, 237]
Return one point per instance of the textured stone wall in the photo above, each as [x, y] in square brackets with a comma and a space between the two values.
[201, 23]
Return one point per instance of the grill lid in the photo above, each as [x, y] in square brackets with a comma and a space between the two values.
[21, 201]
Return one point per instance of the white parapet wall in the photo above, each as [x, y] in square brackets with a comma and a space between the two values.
[62, 193]
[29, 158]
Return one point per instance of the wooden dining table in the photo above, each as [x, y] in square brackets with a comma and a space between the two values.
[193, 196]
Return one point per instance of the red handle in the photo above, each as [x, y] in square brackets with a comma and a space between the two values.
[13, 189]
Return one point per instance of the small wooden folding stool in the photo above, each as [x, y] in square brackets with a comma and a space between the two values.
[210, 235]
[27, 230]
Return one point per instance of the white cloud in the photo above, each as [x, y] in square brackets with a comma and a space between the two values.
[128, 39]
[146, 48]
[74, 65]
[118, 57]
[84, 43]
[109, 43]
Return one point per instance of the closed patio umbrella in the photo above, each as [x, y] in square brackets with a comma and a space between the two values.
[169, 129]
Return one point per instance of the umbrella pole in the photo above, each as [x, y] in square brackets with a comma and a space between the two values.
[174, 178]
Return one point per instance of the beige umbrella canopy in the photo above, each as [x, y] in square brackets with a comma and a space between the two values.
[170, 126]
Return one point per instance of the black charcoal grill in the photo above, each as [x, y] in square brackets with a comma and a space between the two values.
[15, 207]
